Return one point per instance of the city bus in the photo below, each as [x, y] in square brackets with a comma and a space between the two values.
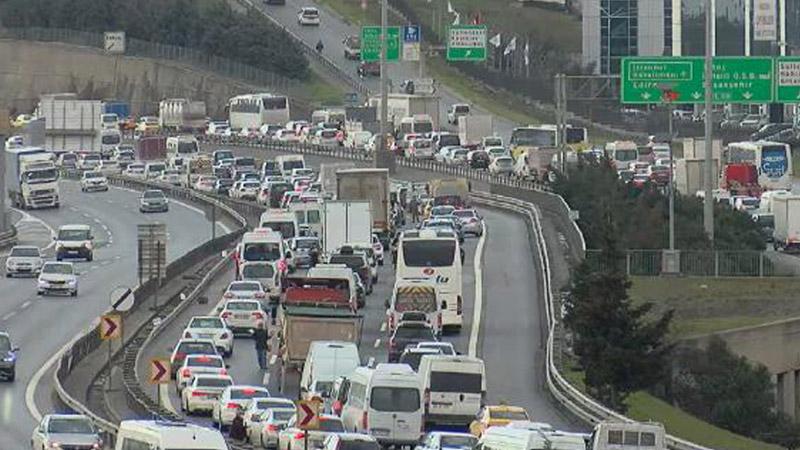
[543, 136]
[434, 256]
[251, 111]
[772, 159]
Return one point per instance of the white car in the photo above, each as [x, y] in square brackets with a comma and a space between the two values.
[339, 441]
[502, 165]
[495, 152]
[377, 247]
[205, 184]
[445, 348]
[211, 327]
[67, 431]
[173, 177]
[218, 127]
[232, 399]
[273, 423]
[245, 190]
[256, 415]
[90, 161]
[135, 171]
[57, 277]
[24, 260]
[202, 393]
[93, 181]
[197, 364]
[292, 438]
[245, 289]
[243, 315]
[308, 15]
[443, 440]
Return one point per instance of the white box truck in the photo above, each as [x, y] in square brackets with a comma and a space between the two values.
[72, 124]
[180, 114]
[367, 184]
[400, 106]
[31, 178]
[473, 128]
[786, 209]
[345, 222]
[690, 175]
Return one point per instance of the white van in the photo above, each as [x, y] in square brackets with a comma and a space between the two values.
[454, 388]
[288, 162]
[506, 438]
[182, 146]
[109, 140]
[154, 434]
[326, 361]
[154, 170]
[385, 403]
[628, 436]
[283, 222]
[414, 295]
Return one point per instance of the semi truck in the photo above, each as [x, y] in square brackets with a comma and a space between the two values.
[74, 125]
[786, 234]
[151, 148]
[327, 175]
[180, 114]
[345, 222]
[371, 185]
[31, 178]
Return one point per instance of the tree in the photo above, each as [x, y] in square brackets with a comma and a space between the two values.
[618, 348]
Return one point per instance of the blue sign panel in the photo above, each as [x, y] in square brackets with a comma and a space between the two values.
[411, 34]
[774, 162]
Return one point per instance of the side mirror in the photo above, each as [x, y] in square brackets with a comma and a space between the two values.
[54, 238]
[288, 255]
[444, 304]
[386, 303]
[15, 349]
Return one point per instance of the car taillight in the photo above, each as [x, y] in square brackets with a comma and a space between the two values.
[223, 336]
[187, 335]
[365, 421]
[272, 427]
[180, 356]
[186, 373]
[299, 435]
[227, 295]
[223, 372]
[226, 314]
[232, 405]
[391, 321]
[258, 315]
[458, 305]
[198, 394]
[427, 400]
[473, 220]
[259, 295]
[439, 320]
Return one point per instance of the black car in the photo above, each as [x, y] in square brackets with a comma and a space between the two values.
[479, 159]
[8, 357]
[223, 186]
[408, 333]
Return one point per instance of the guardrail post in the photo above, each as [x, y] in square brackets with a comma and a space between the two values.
[716, 263]
[628, 262]
[761, 264]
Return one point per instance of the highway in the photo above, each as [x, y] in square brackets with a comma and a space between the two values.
[42, 325]
[333, 30]
[511, 337]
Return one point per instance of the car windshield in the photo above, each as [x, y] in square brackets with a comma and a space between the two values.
[25, 252]
[464, 213]
[351, 261]
[282, 415]
[60, 269]
[242, 306]
[248, 393]
[459, 442]
[187, 147]
[73, 235]
[244, 287]
[262, 251]
[286, 229]
[196, 348]
[413, 358]
[419, 332]
[307, 243]
[70, 426]
[213, 382]
[258, 271]
[5, 344]
[394, 399]
[92, 175]
[331, 425]
[153, 194]
[456, 382]
[429, 253]
[444, 349]
[206, 322]
[509, 415]
[205, 361]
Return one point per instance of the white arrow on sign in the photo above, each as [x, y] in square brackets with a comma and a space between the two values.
[747, 95]
[646, 95]
[696, 95]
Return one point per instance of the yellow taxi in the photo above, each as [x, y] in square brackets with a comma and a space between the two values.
[22, 120]
[496, 415]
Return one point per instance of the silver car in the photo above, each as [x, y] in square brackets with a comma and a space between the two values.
[24, 260]
[471, 221]
[65, 431]
[57, 277]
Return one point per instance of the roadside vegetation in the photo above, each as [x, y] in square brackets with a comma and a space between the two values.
[207, 25]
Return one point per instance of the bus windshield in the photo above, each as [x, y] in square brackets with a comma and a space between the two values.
[533, 137]
[261, 251]
[429, 253]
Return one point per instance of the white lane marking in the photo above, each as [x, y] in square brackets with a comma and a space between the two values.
[377, 343]
[93, 267]
[273, 359]
[383, 327]
[265, 379]
[224, 227]
[29, 218]
[166, 402]
[26, 304]
[478, 308]
[96, 220]
[86, 215]
[72, 208]
[9, 315]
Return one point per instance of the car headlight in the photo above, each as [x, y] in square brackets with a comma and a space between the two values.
[9, 357]
[72, 282]
[88, 244]
[11, 264]
[43, 283]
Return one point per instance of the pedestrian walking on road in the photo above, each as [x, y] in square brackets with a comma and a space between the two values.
[261, 338]
[237, 431]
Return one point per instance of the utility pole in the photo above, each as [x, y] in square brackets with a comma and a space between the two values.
[383, 158]
[561, 119]
[708, 203]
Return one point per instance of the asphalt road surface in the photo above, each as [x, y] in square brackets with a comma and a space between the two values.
[42, 325]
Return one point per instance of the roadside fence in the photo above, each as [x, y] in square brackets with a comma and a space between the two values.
[701, 263]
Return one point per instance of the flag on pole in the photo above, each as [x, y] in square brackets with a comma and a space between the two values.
[496, 40]
[450, 7]
[457, 20]
[476, 19]
[511, 46]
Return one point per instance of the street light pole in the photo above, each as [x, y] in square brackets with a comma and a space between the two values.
[708, 203]
[671, 184]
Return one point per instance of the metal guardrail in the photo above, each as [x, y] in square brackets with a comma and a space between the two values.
[8, 237]
[89, 340]
[702, 263]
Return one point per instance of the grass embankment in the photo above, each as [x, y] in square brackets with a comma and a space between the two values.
[321, 92]
[706, 305]
[643, 406]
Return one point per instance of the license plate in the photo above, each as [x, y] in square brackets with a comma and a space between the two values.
[73, 252]
[241, 316]
[206, 336]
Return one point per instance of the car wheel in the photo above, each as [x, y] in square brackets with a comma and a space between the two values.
[59, 257]
[12, 375]
[8, 275]
[74, 293]
[39, 292]
[183, 405]
[90, 257]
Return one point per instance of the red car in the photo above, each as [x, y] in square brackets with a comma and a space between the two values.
[369, 68]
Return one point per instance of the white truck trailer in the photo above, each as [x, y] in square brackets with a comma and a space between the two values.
[345, 222]
[786, 209]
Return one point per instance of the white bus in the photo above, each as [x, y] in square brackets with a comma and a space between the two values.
[434, 256]
[254, 110]
[772, 159]
[622, 153]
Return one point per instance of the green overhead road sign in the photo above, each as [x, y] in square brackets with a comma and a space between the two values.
[735, 80]
[787, 79]
[371, 43]
[466, 43]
